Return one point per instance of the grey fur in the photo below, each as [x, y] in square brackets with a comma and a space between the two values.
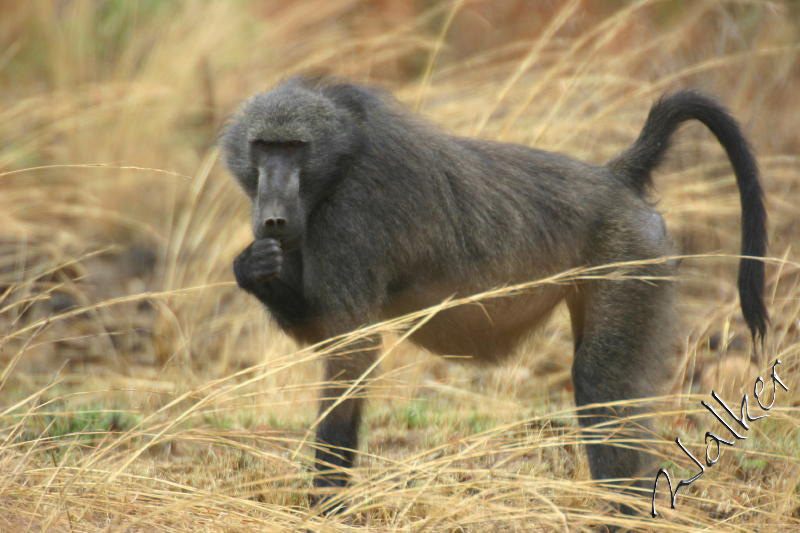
[394, 215]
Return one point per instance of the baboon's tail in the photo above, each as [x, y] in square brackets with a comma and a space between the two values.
[635, 164]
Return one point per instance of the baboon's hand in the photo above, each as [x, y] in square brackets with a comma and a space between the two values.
[258, 263]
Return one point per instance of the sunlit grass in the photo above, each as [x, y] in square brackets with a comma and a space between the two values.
[141, 391]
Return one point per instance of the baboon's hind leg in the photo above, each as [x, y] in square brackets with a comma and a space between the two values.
[626, 350]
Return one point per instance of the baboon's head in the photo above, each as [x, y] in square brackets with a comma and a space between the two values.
[285, 148]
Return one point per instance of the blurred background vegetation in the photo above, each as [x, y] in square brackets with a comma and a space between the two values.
[140, 390]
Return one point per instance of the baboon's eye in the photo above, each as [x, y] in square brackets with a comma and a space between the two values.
[290, 151]
[260, 145]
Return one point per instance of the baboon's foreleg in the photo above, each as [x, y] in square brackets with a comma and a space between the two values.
[340, 406]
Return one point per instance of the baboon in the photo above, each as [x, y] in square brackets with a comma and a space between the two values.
[362, 212]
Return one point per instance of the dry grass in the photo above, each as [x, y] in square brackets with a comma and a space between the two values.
[140, 391]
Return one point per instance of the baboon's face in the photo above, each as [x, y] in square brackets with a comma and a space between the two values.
[285, 148]
[278, 212]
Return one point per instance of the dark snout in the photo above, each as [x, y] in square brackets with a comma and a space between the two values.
[276, 222]
[274, 225]
[277, 210]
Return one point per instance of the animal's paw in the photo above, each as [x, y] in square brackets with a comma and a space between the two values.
[258, 263]
[329, 500]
